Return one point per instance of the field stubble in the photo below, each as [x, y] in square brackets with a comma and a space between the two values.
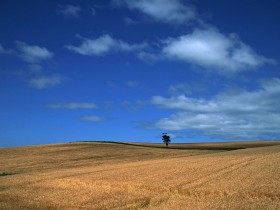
[89, 175]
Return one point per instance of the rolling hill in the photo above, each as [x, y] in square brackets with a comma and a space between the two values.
[122, 175]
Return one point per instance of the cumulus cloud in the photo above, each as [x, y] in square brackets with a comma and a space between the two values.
[239, 115]
[93, 119]
[33, 53]
[205, 46]
[72, 105]
[103, 45]
[45, 81]
[167, 11]
[211, 49]
[70, 11]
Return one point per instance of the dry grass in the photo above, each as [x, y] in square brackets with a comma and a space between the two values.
[122, 176]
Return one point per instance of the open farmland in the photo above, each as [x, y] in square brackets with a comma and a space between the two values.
[98, 175]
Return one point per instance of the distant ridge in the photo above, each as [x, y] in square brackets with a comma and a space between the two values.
[194, 146]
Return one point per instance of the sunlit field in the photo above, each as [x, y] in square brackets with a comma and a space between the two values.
[99, 175]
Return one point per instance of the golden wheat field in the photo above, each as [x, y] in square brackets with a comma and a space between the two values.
[98, 175]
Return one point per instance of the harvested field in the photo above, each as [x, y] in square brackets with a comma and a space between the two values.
[98, 175]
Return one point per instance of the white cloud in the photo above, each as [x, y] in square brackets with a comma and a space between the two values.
[167, 11]
[206, 46]
[34, 75]
[93, 119]
[185, 103]
[70, 11]
[211, 49]
[245, 114]
[103, 45]
[72, 105]
[45, 81]
[33, 53]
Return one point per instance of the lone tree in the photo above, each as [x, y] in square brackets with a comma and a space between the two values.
[166, 139]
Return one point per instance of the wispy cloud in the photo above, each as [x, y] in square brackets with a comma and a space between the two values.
[128, 21]
[5, 51]
[34, 75]
[247, 115]
[210, 48]
[132, 84]
[104, 45]
[134, 106]
[45, 81]
[35, 69]
[180, 89]
[70, 11]
[72, 105]
[167, 11]
[149, 57]
[93, 119]
[33, 53]
[111, 84]
[93, 9]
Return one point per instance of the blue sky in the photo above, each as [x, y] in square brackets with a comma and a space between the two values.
[128, 70]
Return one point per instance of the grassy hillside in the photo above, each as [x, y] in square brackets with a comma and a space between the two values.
[98, 175]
